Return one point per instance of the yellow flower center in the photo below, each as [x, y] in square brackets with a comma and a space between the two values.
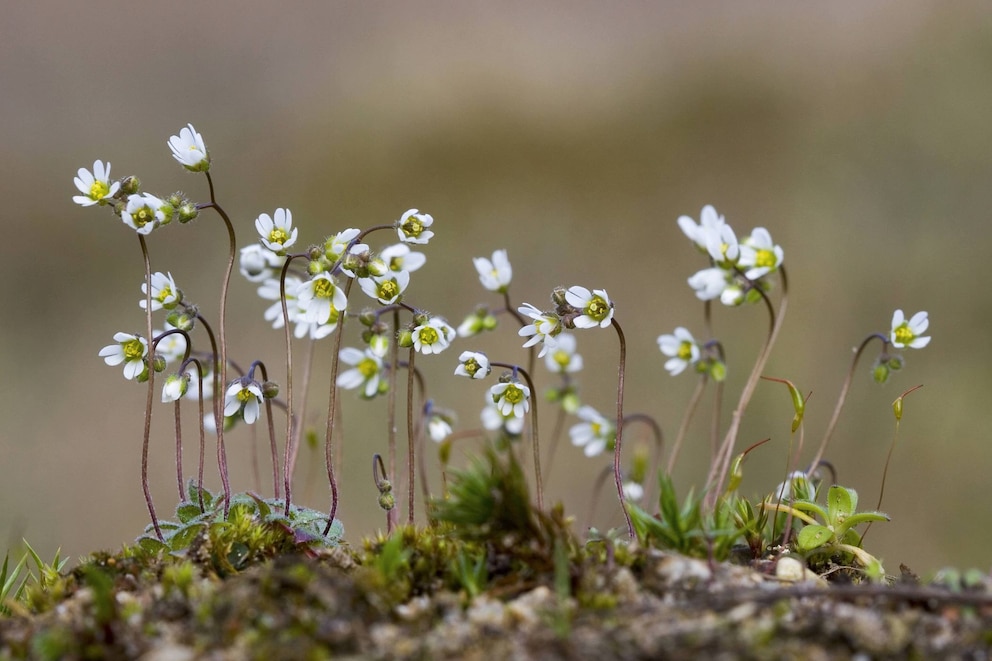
[764, 257]
[143, 216]
[163, 294]
[388, 290]
[597, 428]
[471, 366]
[413, 227]
[513, 394]
[133, 350]
[428, 335]
[367, 368]
[323, 288]
[396, 264]
[244, 395]
[598, 308]
[99, 190]
[278, 235]
[685, 350]
[904, 335]
[562, 358]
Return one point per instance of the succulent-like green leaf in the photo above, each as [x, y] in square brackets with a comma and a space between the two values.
[812, 537]
[841, 503]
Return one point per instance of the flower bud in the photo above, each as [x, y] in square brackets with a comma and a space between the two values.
[270, 390]
[558, 296]
[404, 339]
[187, 212]
[367, 317]
[158, 363]
[421, 319]
[184, 321]
[880, 372]
[130, 185]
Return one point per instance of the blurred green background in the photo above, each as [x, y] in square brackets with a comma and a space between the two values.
[571, 133]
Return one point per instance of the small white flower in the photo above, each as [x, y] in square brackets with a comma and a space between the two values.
[723, 247]
[335, 246]
[495, 275]
[439, 427]
[709, 283]
[243, 395]
[386, 289]
[128, 349]
[511, 398]
[682, 349]
[277, 234]
[545, 328]
[189, 150]
[709, 222]
[473, 364]
[379, 345]
[399, 257]
[594, 434]
[797, 487]
[563, 359]
[176, 385]
[365, 371]
[492, 419]
[596, 307]
[269, 290]
[258, 264]
[908, 333]
[95, 186]
[433, 336]
[143, 212]
[633, 491]
[165, 293]
[321, 299]
[172, 347]
[412, 227]
[759, 254]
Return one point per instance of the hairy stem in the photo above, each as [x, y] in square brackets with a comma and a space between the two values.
[690, 410]
[617, 456]
[150, 394]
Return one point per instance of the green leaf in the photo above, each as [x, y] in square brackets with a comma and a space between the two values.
[180, 539]
[841, 503]
[812, 537]
[152, 544]
[810, 507]
[859, 518]
[186, 512]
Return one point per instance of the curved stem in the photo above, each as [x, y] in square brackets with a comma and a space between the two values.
[287, 459]
[535, 442]
[842, 398]
[690, 410]
[618, 478]
[150, 394]
[391, 405]
[331, 406]
[273, 450]
[411, 437]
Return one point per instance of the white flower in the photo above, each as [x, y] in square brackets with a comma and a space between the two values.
[128, 349]
[632, 490]
[709, 283]
[797, 487]
[335, 246]
[492, 419]
[399, 257]
[722, 246]
[682, 349]
[379, 345]
[511, 398]
[594, 434]
[269, 290]
[95, 186]
[257, 264]
[175, 387]
[563, 359]
[545, 328]
[321, 299]
[709, 222]
[365, 371]
[494, 275]
[908, 333]
[732, 294]
[143, 212]
[433, 336]
[759, 254]
[172, 347]
[277, 234]
[386, 289]
[243, 395]
[165, 293]
[438, 427]
[473, 364]
[189, 150]
[596, 307]
[412, 227]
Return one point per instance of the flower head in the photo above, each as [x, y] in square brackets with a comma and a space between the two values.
[595, 307]
[709, 222]
[412, 227]
[172, 347]
[175, 387]
[439, 426]
[128, 349]
[95, 186]
[473, 364]
[492, 418]
[189, 150]
[386, 289]
[433, 336]
[908, 333]
[365, 372]
[143, 212]
[336, 246]
[165, 293]
[759, 254]
[710, 283]
[799, 486]
[722, 245]
[243, 395]
[321, 299]
[682, 349]
[495, 274]
[632, 491]
[563, 359]
[277, 234]
[399, 257]
[511, 398]
[545, 328]
[257, 264]
[594, 434]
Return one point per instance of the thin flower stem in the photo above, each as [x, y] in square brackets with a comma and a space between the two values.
[203, 440]
[217, 404]
[381, 479]
[150, 394]
[538, 483]
[531, 356]
[391, 405]
[715, 419]
[555, 438]
[289, 455]
[842, 398]
[411, 437]
[298, 418]
[690, 410]
[273, 449]
[179, 451]
[331, 407]
[618, 478]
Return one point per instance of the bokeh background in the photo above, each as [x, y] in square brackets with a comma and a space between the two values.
[571, 133]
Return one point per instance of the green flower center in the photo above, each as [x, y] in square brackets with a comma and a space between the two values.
[244, 395]
[133, 350]
[428, 335]
[471, 366]
[367, 368]
[904, 335]
[413, 227]
[143, 216]
[513, 394]
[99, 190]
[598, 308]
[597, 428]
[323, 288]
[163, 294]
[396, 264]
[765, 257]
[388, 290]
[562, 358]
[685, 350]
[278, 235]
